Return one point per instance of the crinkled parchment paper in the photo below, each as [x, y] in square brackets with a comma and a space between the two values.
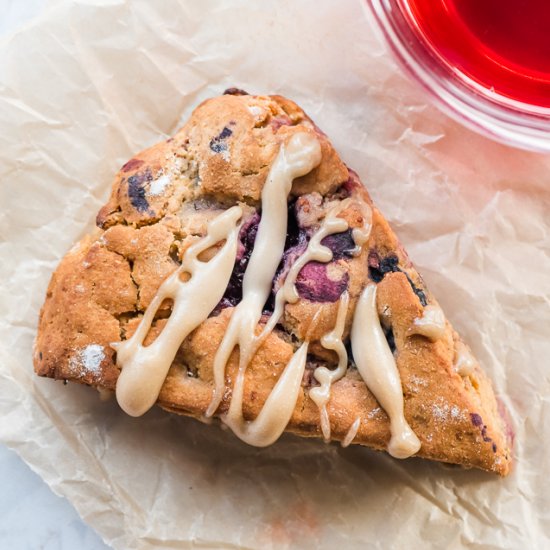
[89, 84]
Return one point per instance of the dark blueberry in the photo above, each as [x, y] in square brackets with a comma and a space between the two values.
[390, 338]
[494, 447]
[295, 244]
[235, 91]
[294, 234]
[247, 236]
[136, 191]
[314, 284]
[225, 133]
[378, 267]
[342, 192]
[132, 164]
[290, 255]
[476, 419]
[341, 244]
[40, 356]
[293, 253]
[312, 363]
[351, 359]
[218, 143]
[419, 292]
[486, 438]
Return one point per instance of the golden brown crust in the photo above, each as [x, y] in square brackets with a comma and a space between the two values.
[160, 203]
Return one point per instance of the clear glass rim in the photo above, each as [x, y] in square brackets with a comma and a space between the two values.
[513, 123]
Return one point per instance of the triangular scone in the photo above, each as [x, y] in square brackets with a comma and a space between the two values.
[197, 198]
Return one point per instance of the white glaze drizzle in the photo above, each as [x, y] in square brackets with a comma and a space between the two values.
[296, 158]
[288, 293]
[352, 432]
[138, 388]
[376, 365]
[144, 368]
[430, 324]
[332, 341]
[318, 252]
[465, 362]
[274, 416]
[315, 251]
[361, 235]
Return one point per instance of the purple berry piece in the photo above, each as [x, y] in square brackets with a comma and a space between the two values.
[235, 91]
[132, 164]
[218, 144]
[476, 419]
[341, 244]
[136, 191]
[247, 235]
[314, 284]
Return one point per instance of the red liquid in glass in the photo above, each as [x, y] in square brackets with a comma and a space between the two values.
[503, 45]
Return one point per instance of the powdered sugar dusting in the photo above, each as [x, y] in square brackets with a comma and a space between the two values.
[443, 412]
[374, 412]
[416, 383]
[255, 110]
[455, 412]
[88, 360]
[158, 186]
[440, 412]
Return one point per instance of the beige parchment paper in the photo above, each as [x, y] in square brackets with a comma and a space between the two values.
[92, 82]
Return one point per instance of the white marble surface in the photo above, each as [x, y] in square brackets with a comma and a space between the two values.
[31, 516]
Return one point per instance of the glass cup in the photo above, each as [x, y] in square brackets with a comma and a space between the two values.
[480, 108]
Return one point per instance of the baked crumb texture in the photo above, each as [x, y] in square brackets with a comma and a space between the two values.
[161, 202]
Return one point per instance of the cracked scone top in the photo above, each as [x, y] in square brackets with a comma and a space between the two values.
[240, 270]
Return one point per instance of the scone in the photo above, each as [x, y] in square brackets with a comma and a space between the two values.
[241, 271]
